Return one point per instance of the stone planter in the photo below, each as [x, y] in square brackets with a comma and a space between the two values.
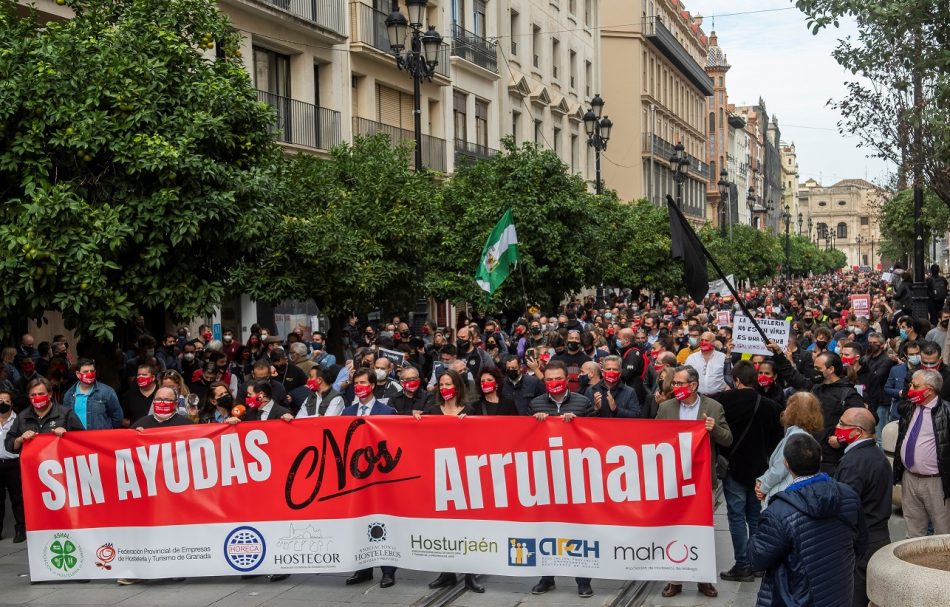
[911, 573]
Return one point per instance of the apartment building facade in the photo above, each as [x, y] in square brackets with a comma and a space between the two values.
[842, 218]
[655, 52]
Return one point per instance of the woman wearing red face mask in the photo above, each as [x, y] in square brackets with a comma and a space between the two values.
[770, 386]
[43, 417]
[491, 401]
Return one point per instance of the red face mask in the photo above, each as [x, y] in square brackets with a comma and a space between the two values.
[918, 396]
[255, 401]
[519, 330]
[705, 346]
[545, 358]
[313, 384]
[613, 377]
[143, 380]
[28, 368]
[756, 365]
[363, 390]
[682, 393]
[163, 407]
[658, 367]
[488, 387]
[411, 385]
[846, 435]
[766, 380]
[40, 402]
[556, 387]
[207, 335]
[88, 378]
[848, 360]
[447, 392]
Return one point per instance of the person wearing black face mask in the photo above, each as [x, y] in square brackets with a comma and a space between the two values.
[10, 483]
[574, 358]
[518, 386]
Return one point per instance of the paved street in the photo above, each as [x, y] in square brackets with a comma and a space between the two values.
[329, 590]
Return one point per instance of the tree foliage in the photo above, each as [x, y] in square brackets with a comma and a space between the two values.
[898, 42]
[897, 222]
[131, 161]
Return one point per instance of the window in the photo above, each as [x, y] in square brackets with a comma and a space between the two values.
[515, 31]
[557, 141]
[481, 123]
[865, 221]
[572, 6]
[516, 126]
[536, 46]
[393, 107]
[460, 100]
[588, 76]
[588, 8]
[842, 230]
[842, 203]
[479, 24]
[822, 231]
[271, 72]
[712, 122]
[537, 132]
[822, 204]
[574, 152]
[555, 58]
[573, 68]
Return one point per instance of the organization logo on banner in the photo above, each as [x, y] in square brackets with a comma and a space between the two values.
[522, 552]
[553, 551]
[456, 546]
[675, 552]
[62, 556]
[379, 550]
[244, 548]
[105, 555]
[305, 548]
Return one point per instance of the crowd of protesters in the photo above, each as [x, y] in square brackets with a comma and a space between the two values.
[795, 435]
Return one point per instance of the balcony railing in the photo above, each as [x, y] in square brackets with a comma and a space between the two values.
[468, 153]
[664, 40]
[473, 48]
[433, 148]
[328, 14]
[369, 27]
[303, 123]
[662, 148]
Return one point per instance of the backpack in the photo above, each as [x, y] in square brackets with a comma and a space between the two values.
[938, 289]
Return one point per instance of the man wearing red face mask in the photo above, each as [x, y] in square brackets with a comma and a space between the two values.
[164, 412]
[137, 401]
[413, 396]
[561, 402]
[688, 404]
[43, 417]
[260, 403]
[611, 397]
[95, 404]
[710, 364]
[321, 400]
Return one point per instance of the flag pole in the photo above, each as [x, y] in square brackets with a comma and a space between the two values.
[719, 271]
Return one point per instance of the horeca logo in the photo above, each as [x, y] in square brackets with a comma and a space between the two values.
[244, 548]
[522, 552]
[63, 557]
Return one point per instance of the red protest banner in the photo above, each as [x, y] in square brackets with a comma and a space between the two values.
[510, 496]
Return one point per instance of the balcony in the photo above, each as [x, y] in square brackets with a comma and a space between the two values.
[304, 124]
[369, 28]
[474, 49]
[663, 149]
[665, 42]
[329, 15]
[470, 153]
[433, 148]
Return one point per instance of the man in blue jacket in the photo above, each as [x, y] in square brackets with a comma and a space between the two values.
[809, 536]
[95, 404]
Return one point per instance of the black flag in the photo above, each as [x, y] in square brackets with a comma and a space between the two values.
[686, 247]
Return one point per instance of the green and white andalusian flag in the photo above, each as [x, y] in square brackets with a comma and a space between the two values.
[499, 256]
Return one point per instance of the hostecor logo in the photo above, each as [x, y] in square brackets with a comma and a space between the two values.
[244, 548]
[522, 552]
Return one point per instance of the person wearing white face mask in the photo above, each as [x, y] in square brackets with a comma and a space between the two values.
[164, 412]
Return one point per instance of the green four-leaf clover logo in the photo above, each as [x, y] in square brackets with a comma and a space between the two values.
[63, 555]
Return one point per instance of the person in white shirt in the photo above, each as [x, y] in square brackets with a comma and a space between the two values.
[323, 400]
[710, 364]
[10, 483]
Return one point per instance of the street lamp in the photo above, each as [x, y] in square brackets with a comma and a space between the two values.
[723, 201]
[787, 216]
[679, 163]
[860, 240]
[800, 220]
[419, 61]
[809, 231]
[598, 133]
[750, 202]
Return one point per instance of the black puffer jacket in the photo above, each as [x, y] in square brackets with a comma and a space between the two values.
[807, 541]
[941, 421]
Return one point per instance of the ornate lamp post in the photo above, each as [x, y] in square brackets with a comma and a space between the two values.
[419, 60]
[598, 133]
[724, 206]
[800, 219]
[679, 163]
[787, 216]
[750, 202]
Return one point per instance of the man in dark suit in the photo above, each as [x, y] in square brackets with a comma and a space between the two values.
[865, 468]
[260, 403]
[560, 402]
[364, 382]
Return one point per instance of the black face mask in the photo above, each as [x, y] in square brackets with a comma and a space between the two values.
[5, 408]
[536, 330]
[461, 345]
[573, 346]
[584, 381]
[513, 374]
[819, 377]
[945, 323]
[225, 401]
[821, 344]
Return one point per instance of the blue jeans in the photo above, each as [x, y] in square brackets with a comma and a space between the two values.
[743, 510]
[883, 416]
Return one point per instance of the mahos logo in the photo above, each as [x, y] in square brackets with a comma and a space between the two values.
[675, 552]
[244, 548]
